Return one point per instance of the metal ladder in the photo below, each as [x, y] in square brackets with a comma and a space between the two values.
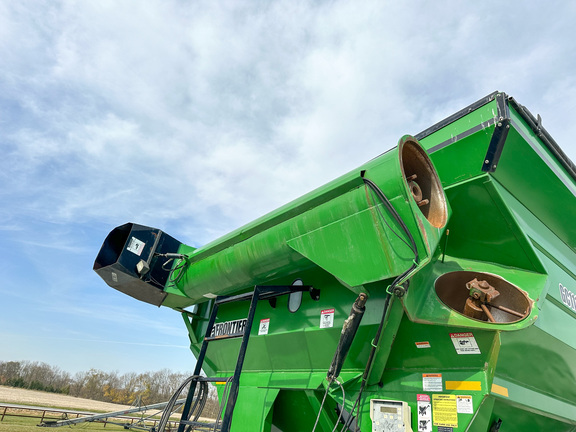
[261, 292]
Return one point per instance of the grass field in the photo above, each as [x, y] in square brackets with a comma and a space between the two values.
[24, 424]
[44, 399]
[13, 423]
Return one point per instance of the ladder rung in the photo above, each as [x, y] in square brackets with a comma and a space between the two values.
[234, 298]
[274, 291]
[213, 379]
[194, 423]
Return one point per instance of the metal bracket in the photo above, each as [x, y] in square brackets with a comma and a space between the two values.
[496, 146]
[499, 136]
[314, 294]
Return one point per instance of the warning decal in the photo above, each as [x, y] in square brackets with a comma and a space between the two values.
[264, 326]
[464, 404]
[422, 344]
[445, 410]
[135, 246]
[424, 413]
[327, 318]
[465, 343]
[432, 382]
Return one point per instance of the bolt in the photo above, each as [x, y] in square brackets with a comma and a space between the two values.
[399, 291]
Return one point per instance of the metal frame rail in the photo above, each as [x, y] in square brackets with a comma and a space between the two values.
[261, 292]
[98, 417]
[45, 411]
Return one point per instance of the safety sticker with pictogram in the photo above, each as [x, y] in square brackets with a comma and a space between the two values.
[264, 326]
[424, 413]
[327, 318]
[465, 343]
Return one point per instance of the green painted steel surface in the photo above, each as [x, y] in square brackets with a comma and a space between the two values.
[508, 220]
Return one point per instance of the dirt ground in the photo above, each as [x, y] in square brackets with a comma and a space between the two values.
[44, 399]
[20, 396]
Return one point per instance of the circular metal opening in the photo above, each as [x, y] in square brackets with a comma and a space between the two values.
[483, 297]
[423, 182]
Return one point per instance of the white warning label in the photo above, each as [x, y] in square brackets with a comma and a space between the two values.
[464, 404]
[264, 326]
[432, 382]
[327, 318]
[424, 413]
[135, 246]
[465, 343]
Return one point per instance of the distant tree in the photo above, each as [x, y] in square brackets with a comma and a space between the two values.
[34, 376]
[9, 371]
[93, 387]
[149, 387]
[78, 382]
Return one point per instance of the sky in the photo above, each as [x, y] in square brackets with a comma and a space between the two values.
[196, 117]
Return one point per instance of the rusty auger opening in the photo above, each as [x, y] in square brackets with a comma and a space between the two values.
[483, 297]
[423, 182]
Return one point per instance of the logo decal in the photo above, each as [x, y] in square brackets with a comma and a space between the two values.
[568, 297]
[229, 328]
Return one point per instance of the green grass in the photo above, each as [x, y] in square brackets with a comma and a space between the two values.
[14, 421]
[25, 424]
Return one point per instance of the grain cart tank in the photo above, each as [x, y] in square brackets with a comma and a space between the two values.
[431, 289]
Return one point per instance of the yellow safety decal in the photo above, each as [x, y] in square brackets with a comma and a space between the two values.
[463, 385]
[502, 391]
[445, 410]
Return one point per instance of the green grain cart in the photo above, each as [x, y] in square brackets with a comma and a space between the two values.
[432, 289]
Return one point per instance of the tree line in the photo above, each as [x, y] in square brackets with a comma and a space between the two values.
[125, 388]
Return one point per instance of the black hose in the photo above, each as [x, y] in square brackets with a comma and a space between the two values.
[197, 408]
[374, 187]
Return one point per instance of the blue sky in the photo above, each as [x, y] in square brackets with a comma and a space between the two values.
[197, 117]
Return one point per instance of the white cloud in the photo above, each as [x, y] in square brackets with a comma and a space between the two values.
[164, 110]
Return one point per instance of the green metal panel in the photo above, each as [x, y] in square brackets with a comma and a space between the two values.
[519, 419]
[463, 159]
[483, 228]
[255, 404]
[559, 375]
